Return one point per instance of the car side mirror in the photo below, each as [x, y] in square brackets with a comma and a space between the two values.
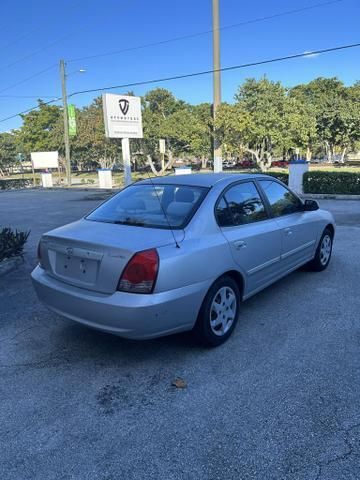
[310, 205]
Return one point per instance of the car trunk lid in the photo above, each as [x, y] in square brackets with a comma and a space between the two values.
[93, 255]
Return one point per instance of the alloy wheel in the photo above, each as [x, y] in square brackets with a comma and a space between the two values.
[223, 311]
[325, 250]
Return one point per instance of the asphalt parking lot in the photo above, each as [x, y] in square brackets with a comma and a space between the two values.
[280, 400]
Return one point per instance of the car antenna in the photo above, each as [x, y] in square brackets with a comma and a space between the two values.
[163, 210]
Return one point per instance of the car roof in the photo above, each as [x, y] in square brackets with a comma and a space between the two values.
[202, 179]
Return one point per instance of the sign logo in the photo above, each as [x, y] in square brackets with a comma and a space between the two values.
[124, 106]
[122, 116]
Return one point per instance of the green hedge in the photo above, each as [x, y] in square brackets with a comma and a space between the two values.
[283, 177]
[13, 184]
[341, 183]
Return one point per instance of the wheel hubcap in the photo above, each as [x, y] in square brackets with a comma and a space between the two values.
[223, 311]
[325, 250]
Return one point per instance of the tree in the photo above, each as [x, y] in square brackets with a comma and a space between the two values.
[163, 117]
[256, 123]
[202, 142]
[90, 146]
[265, 102]
[300, 127]
[337, 115]
[234, 126]
[7, 151]
[40, 129]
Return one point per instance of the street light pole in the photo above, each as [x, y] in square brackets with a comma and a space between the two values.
[216, 80]
[66, 122]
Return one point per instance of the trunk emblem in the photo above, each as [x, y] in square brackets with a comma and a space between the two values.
[69, 251]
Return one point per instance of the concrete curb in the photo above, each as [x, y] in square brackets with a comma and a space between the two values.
[66, 189]
[329, 196]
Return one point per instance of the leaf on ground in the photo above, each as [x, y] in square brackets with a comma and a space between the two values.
[179, 383]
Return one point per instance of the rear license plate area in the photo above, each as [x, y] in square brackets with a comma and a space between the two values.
[81, 269]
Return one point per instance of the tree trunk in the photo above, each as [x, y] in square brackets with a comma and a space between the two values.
[329, 152]
[169, 164]
[343, 154]
[308, 153]
[152, 166]
[257, 158]
[268, 161]
[204, 161]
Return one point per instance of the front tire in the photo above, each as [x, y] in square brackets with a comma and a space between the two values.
[219, 312]
[323, 252]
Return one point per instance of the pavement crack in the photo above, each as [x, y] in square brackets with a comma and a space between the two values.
[52, 361]
[17, 334]
[345, 455]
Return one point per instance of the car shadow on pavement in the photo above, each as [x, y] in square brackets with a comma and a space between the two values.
[87, 342]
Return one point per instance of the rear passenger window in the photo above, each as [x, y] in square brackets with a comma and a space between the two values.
[240, 205]
[223, 214]
[282, 201]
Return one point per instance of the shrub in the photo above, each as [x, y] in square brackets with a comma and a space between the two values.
[283, 177]
[345, 183]
[13, 184]
[12, 243]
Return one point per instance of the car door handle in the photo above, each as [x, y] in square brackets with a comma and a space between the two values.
[288, 231]
[239, 244]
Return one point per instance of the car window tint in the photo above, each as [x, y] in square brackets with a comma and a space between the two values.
[244, 204]
[223, 214]
[159, 206]
[282, 201]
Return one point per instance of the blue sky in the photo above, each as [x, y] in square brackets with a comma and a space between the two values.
[35, 35]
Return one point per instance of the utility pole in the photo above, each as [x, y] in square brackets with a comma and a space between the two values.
[217, 80]
[66, 122]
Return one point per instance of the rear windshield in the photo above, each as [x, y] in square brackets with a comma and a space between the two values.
[157, 206]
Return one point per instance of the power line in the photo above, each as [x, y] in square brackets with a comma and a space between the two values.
[27, 96]
[175, 39]
[45, 47]
[34, 30]
[30, 55]
[28, 78]
[197, 74]
[31, 109]
[21, 37]
[224, 69]
[206, 32]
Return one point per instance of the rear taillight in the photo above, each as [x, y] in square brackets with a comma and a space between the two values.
[140, 273]
[39, 254]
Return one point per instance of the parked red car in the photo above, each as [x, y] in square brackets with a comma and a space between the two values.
[280, 163]
[246, 164]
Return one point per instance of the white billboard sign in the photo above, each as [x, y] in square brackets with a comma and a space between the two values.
[122, 116]
[44, 160]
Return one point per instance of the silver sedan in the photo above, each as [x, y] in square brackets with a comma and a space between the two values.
[180, 253]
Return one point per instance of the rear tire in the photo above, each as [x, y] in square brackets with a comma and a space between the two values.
[219, 313]
[323, 252]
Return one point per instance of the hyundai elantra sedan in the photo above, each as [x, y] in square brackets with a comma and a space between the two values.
[180, 253]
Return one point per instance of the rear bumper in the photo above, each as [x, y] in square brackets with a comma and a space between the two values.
[129, 315]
